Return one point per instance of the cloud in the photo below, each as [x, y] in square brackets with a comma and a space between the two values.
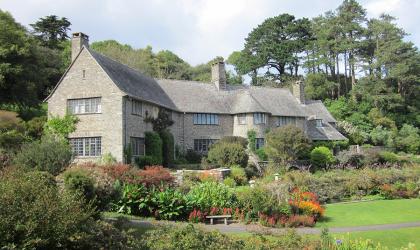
[196, 30]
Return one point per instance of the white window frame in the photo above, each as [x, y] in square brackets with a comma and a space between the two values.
[86, 146]
[318, 123]
[136, 107]
[241, 119]
[205, 119]
[84, 106]
[138, 147]
[260, 118]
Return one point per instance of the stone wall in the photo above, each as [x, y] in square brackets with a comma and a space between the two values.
[96, 83]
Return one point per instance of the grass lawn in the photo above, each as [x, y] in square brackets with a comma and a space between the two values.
[371, 213]
[391, 238]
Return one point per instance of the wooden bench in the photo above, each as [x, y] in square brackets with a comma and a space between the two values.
[212, 217]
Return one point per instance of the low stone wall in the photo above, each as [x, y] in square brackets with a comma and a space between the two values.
[218, 173]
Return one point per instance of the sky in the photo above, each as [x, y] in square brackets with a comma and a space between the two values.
[196, 30]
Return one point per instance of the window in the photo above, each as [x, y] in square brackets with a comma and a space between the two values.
[84, 106]
[84, 74]
[202, 145]
[242, 119]
[285, 120]
[86, 146]
[137, 146]
[259, 143]
[206, 119]
[318, 123]
[259, 118]
[137, 108]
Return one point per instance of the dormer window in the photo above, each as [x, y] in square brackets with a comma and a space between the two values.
[318, 123]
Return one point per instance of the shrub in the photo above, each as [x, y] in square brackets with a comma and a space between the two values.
[168, 147]
[107, 159]
[154, 176]
[227, 154]
[388, 157]
[145, 160]
[169, 204]
[206, 195]
[239, 175]
[261, 154]
[62, 127]
[235, 139]
[408, 139]
[348, 158]
[230, 182]
[50, 154]
[251, 171]
[153, 145]
[193, 157]
[78, 180]
[252, 137]
[188, 237]
[300, 221]
[35, 215]
[321, 157]
[286, 144]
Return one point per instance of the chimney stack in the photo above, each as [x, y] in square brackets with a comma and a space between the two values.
[218, 74]
[299, 91]
[77, 41]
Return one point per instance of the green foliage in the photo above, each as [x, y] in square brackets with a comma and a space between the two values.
[33, 206]
[161, 122]
[261, 154]
[153, 145]
[168, 148]
[252, 137]
[210, 194]
[239, 175]
[227, 154]
[342, 185]
[80, 181]
[169, 204]
[230, 182]
[51, 30]
[61, 126]
[321, 157]
[388, 157]
[188, 237]
[36, 214]
[318, 86]
[382, 137]
[408, 139]
[49, 154]
[235, 139]
[143, 161]
[107, 159]
[285, 144]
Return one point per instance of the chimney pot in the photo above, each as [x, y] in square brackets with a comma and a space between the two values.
[218, 74]
[78, 40]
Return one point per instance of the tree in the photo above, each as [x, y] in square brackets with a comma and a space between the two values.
[275, 45]
[51, 30]
[350, 17]
[286, 144]
[170, 66]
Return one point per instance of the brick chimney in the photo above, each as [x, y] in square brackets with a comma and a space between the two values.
[218, 74]
[77, 41]
[298, 91]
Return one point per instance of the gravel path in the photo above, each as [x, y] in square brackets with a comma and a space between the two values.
[254, 228]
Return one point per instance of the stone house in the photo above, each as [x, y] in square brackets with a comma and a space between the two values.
[111, 101]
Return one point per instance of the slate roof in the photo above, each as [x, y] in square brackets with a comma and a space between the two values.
[324, 133]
